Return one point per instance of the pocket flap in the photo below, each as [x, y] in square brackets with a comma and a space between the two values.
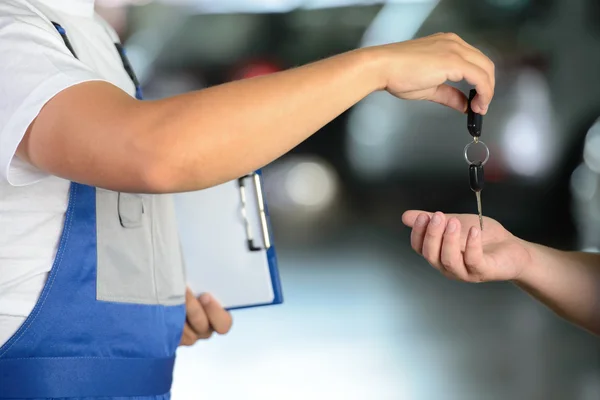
[131, 209]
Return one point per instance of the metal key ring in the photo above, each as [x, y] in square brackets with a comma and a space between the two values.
[487, 152]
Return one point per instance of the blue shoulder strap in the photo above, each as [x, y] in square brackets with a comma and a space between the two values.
[129, 69]
[120, 50]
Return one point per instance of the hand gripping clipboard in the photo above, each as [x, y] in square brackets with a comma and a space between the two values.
[227, 245]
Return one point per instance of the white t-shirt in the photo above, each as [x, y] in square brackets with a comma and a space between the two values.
[36, 65]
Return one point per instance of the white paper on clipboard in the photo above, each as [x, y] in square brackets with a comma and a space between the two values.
[214, 240]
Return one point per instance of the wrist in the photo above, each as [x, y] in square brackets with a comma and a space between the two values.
[530, 266]
[376, 66]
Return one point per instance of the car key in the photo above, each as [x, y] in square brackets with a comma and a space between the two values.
[476, 176]
[476, 180]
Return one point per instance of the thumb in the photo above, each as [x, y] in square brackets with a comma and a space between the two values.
[450, 96]
[218, 317]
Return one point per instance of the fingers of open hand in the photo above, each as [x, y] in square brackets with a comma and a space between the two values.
[417, 235]
[438, 239]
[451, 255]
[432, 243]
[473, 257]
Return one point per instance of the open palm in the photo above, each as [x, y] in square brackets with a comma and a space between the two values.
[454, 245]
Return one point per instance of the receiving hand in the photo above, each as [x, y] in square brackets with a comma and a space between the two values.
[204, 316]
[454, 245]
[419, 69]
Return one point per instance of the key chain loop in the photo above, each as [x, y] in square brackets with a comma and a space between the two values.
[487, 152]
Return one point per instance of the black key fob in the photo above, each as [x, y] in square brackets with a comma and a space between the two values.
[474, 120]
[476, 177]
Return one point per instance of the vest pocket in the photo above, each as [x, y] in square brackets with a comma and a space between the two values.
[124, 248]
[131, 209]
[138, 255]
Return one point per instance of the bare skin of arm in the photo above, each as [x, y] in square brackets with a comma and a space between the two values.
[567, 282]
[94, 133]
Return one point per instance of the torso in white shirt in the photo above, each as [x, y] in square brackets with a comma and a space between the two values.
[31, 215]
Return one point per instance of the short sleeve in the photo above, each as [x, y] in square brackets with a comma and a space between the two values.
[36, 65]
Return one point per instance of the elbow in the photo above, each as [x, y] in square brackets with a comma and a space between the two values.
[152, 162]
[163, 169]
[163, 175]
[160, 170]
[164, 161]
[157, 178]
[167, 175]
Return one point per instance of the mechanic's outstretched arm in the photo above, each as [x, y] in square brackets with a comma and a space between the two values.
[567, 282]
[96, 134]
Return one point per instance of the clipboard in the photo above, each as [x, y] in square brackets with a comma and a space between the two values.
[227, 245]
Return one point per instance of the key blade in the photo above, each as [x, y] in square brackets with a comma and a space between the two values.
[479, 210]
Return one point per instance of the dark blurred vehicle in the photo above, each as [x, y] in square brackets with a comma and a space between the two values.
[391, 155]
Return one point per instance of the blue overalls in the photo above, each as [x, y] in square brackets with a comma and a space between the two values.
[110, 317]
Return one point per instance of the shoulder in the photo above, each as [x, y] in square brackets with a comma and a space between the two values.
[21, 10]
[20, 16]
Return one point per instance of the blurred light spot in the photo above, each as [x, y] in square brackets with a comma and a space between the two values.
[530, 136]
[375, 124]
[121, 3]
[398, 22]
[591, 151]
[303, 193]
[585, 189]
[589, 386]
[373, 128]
[584, 183]
[266, 6]
[591, 250]
[525, 144]
[310, 184]
[171, 84]
[140, 60]
[511, 4]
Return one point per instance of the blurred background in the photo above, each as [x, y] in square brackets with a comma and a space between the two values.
[364, 317]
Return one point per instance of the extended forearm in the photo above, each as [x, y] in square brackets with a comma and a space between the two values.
[567, 282]
[211, 136]
[94, 133]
